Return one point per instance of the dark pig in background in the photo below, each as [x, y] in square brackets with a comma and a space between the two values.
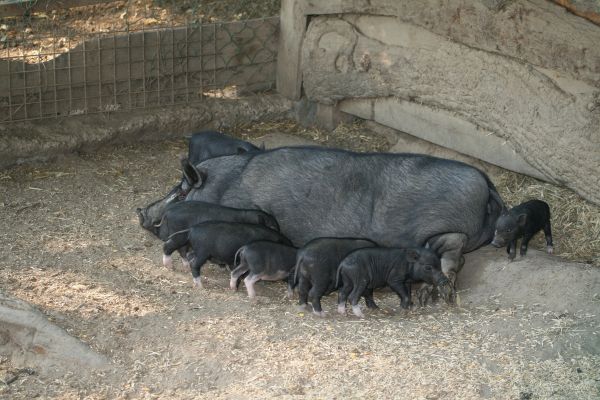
[210, 144]
[316, 268]
[364, 270]
[202, 146]
[183, 215]
[523, 221]
[396, 200]
[218, 242]
[265, 261]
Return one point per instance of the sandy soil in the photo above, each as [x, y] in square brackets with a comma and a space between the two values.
[47, 33]
[72, 246]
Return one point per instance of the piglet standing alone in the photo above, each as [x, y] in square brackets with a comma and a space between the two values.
[265, 261]
[366, 269]
[219, 242]
[523, 221]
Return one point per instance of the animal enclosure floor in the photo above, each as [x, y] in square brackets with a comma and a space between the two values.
[72, 246]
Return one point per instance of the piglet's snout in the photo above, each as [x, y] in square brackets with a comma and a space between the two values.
[447, 291]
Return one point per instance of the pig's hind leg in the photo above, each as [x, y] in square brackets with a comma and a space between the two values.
[548, 234]
[183, 253]
[249, 281]
[343, 293]
[315, 294]
[354, 297]
[237, 274]
[304, 286]
[450, 247]
[199, 260]
[175, 242]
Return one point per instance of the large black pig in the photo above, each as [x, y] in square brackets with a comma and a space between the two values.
[202, 146]
[396, 200]
[210, 144]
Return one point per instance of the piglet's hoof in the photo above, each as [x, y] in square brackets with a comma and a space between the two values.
[167, 261]
[233, 284]
[198, 283]
[319, 313]
[549, 249]
[357, 311]
[301, 307]
[341, 308]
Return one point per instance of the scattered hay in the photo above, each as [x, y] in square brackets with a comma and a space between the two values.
[352, 136]
[37, 36]
[575, 221]
[78, 253]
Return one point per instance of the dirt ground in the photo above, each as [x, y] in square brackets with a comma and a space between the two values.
[46, 33]
[72, 246]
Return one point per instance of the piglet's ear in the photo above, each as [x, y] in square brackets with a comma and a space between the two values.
[522, 219]
[412, 255]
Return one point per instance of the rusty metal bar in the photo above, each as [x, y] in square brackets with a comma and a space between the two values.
[144, 65]
[172, 64]
[24, 76]
[10, 106]
[158, 64]
[115, 71]
[54, 73]
[70, 63]
[40, 84]
[187, 62]
[129, 67]
[99, 73]
[85, 102]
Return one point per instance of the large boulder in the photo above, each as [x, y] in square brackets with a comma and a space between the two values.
[516, 84]
[28, 339]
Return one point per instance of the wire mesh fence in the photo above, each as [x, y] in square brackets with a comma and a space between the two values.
[49, 69]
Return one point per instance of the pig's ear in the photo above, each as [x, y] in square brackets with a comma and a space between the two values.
[262, 220]
[194, 176]
[522, 219]
[412, 255]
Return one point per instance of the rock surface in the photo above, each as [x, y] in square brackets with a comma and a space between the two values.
[28, 339]
[524, 75]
